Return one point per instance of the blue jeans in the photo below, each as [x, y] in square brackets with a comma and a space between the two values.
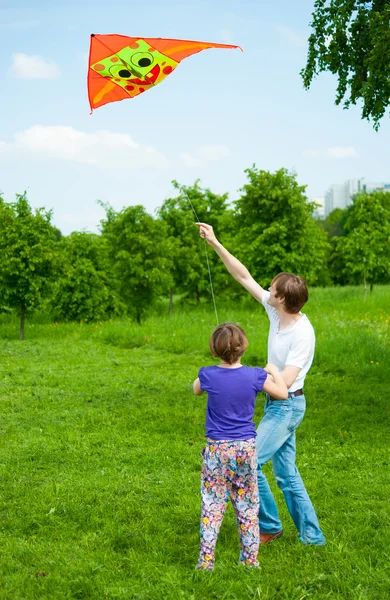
[276, 440]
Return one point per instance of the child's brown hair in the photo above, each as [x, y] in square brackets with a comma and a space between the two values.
[228, 342]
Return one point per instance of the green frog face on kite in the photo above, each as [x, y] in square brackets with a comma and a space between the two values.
[135, 67]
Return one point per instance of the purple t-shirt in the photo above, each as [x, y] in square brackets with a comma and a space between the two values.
[231, 400]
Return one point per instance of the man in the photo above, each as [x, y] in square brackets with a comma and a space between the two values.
[291, 344]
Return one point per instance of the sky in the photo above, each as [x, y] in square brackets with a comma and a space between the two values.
[217, 114]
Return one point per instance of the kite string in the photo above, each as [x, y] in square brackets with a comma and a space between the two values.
[207, 258]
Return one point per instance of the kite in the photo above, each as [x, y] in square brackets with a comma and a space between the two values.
[123, 67]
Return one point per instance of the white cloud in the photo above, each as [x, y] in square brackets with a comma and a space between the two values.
[210, 152]
[312, 153]
[290, 36]
[102, 148]
[343, 152]
[207, 152]
[26, 66]
[333, 152]
[189, 161]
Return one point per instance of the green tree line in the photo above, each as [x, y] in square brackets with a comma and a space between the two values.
[137, 258]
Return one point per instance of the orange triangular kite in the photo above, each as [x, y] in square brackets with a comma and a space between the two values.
[122, 67]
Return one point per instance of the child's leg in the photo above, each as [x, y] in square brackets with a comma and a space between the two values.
[215, 495]
[245, 499]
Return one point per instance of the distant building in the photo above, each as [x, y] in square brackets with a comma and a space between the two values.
[319, 212]
[373, 187]
[340, 195]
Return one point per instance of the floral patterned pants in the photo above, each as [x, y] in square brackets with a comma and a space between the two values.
[229, 471]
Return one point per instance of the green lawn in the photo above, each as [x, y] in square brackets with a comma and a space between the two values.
[100, 459]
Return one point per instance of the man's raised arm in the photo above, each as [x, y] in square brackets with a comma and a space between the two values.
[235, 268]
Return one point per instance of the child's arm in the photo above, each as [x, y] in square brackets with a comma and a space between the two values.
[275, 385]
[197, 388]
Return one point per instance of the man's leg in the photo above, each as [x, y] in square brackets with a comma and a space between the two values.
[272, 432]
[297, 499]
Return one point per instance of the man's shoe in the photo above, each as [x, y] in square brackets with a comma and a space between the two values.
[267, 538]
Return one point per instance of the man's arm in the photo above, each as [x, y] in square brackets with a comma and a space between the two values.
[300, 353]
[235, 268]
[290, 374]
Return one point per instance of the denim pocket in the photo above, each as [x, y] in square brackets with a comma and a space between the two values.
[280, 409]
[298, 412]
[281, 404]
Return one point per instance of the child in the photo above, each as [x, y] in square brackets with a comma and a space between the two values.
[229, 459]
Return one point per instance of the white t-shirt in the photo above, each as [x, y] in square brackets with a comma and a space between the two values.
[292, 347]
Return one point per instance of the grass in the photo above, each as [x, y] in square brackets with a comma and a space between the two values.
[100, 459]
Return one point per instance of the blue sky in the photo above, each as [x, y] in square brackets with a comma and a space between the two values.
[219, 112]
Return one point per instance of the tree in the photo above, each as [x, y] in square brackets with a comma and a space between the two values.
[190, 275]
[334, 226]
[84, 290]
[28, 256]
[276, 229]
[351, 39]
[139, 257]
[365, 248]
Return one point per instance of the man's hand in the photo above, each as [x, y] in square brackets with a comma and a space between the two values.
[235, 268]
[207, 233]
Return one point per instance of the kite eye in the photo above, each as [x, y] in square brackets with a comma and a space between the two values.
[142, 59]
[120, 71]
[124, 73]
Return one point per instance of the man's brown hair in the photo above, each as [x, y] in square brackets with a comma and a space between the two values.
[229, 342]
[293, 289]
